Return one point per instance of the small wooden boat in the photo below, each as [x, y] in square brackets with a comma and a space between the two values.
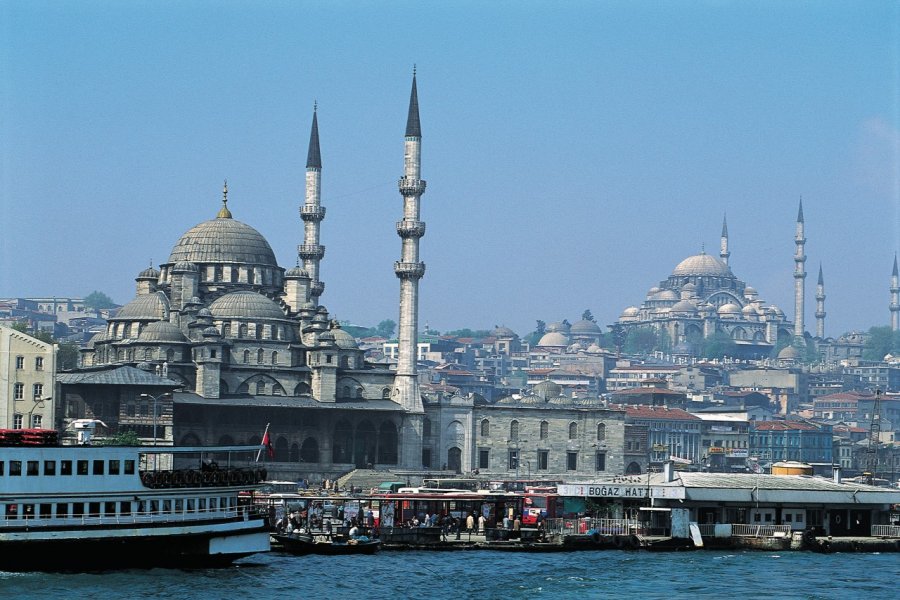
[307, 544]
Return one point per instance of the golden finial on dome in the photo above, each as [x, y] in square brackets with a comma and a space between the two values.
[224, 213]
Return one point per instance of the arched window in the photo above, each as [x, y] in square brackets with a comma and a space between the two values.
[514, 430]
[148, 354]
[260, 356]
[573, 431]
[246, 357]
[309, 451]
[386, 394]
[545, 429]
[226, 329]
[260, 387]
[345, 391]
[426, 427]
[242, 330]
[387, 443]
[485, 428]
[170, 355]
[601, 432]
[274, 358]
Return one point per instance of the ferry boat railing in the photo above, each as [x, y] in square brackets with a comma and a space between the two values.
[707, 529]
[136, 518]
[742, 530]
[886, 531]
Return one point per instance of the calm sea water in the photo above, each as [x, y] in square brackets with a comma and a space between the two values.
[487, 575]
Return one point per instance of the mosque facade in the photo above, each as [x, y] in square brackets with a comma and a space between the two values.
[249, 346]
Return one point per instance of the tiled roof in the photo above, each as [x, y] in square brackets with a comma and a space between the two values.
[783, 426]
[655, 412]
[640, 391]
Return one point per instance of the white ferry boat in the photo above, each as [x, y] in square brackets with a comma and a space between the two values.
[101, 507]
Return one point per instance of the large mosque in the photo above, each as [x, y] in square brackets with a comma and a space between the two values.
[251, 346]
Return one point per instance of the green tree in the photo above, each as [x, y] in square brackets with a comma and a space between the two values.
[880, 342]
[386, 328]
[123, 438]
[535, 336]
[587, 316]
[67, 356]
[641, 340]
[97, 300]
[718, 345]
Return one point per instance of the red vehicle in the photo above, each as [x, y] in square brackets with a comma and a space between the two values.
[540, 503]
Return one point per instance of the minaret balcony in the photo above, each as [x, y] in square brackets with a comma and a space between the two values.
[409, 270]
[317, 288]
[411, 187]
[413, 229]
[312, 213]
[311, 251]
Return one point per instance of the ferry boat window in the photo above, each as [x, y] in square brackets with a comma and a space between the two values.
[191, 505]
[179, 506]
[28, 511]
[213, 504]
[65, 467]
[12, 511]
[93, 509]
[98, 467]
[78, 509]
[82, 467]
[142, 507]
[62, 510]
[32, 468]
[15, 468]
[113, 467]
[50, 468]
[46, 511]
[2, 465]
[201, 504]
[154, 506]
[167, 506]
[109, 509]
[129, 467]
[124, 508]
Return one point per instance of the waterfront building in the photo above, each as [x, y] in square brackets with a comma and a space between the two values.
[28, 366]
[672, 433]
[773, 441]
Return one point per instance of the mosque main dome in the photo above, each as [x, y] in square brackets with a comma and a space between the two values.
[223, 240]
[703, 265]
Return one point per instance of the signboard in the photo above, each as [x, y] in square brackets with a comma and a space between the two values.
[716, 450]
[619, 491]
[739, 452]
[660, 447]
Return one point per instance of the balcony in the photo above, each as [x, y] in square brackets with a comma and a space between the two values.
[411, 187]
[312, 213]
[407, 229]
[317, 288]
[309, 251]
[409, 270]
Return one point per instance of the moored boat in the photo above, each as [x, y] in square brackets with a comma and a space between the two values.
[101, 507]
[308, 544]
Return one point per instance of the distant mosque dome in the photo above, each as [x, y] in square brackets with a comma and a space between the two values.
[162, 331]
[788, 353]
[146, 307]
[546, 389]
[504, 332]
[554, 339]
[223, 240]
[585, 327]
[729, 310]
[343, 339]
[684, 306]
[703, 265]
[245, 305]
[558, 326]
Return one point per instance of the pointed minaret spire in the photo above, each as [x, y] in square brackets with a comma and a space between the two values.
[820, 306]
[224, 213]
[312, 212]
[314, 156]
[723, 248]
[895, 297]
[409, 269]
[799, 276]
[413, 127]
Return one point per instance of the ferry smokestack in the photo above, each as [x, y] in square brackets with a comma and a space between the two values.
[836, 473]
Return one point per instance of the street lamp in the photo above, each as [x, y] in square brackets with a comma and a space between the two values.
[39, 401]
[518, 444]
[155, 411]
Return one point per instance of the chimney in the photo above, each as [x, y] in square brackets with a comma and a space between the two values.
[668, 471]
[836, 473]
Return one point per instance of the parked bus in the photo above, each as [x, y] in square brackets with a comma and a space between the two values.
[451, 483]
[540, 504]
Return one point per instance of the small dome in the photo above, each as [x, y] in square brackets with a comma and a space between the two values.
[729, 309]
[184, 266]
[296, 273]
[149, 273]
[585, 327]
[558, 326]
[531, 400]
[561, 401]
[594, 401]
[145, 366]
[546, 389]
[97, 337]
[666, 296]
[576, 347]
[631, 311]
[594, 349]
[245, 305]
[689, 287]
[776, 311]
[507, 400]
[146, 307]
[204, 312]
[749, 312]
[343, 339]
[504, 332]
[211, 332]
[161, 331]
[788, 353]
[684, 306]
[750, 291]
[703, 265]
[653, 290]
[554, 339]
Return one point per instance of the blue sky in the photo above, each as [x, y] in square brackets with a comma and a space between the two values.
[575, 152]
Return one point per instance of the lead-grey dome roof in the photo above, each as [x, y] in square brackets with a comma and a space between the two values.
[245, 305]
[153, 307]
[223, 240]
[162, 331]
[702, 264]
[585, 326]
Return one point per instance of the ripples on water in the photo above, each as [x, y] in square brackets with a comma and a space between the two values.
[487, 575]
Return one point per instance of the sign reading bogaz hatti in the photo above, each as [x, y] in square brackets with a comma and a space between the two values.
[618, 490]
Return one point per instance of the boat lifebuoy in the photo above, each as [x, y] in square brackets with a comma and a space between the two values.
[147, 478]
[837, 519]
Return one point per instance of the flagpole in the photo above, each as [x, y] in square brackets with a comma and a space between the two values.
[259, 452]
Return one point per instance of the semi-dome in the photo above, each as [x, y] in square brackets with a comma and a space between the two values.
[585, 326]
[631, 311]
[146, 307]
[703, 265]
[161, 331]
[223, 240]
[729, 310]
[788, 353]
[666, 296]
[245, 305]
[344, 340]
[684, 306]
[554, 339]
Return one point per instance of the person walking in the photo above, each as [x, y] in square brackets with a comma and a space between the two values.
[470, 523]
[481, 524]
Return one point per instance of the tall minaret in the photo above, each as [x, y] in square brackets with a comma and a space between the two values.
[723, 246]
[312, 213]
[820, 306]
[895, 298]
[409, 269]
[799, 276]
